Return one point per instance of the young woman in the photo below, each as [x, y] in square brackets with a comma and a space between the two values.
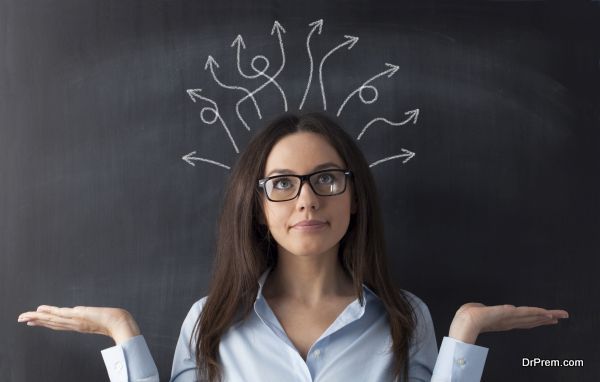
[300, 289]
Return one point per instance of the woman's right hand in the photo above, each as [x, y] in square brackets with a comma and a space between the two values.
[112, 322]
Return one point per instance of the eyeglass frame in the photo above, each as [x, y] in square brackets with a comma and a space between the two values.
[261, 182]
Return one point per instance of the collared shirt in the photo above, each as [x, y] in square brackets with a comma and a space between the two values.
[355, 347]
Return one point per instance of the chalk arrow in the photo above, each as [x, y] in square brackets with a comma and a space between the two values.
[389, 72]
[277, 27]
[316, 25]
[189, 159]
[211, 63]
[413, 115]
[406, 154]
[239, 44]
[351, 41]
[239, 41]
[195, 94]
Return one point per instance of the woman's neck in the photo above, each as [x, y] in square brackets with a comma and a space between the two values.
[308, 280]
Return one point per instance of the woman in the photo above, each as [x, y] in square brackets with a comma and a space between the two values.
[300, 288]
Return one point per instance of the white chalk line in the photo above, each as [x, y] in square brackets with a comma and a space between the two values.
[413, 115]
[315, 25]
[189, 159]
[408, 154]
[194, 93]
[390, 72]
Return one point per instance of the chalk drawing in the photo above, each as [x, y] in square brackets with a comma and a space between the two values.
[408, 154]
[413, 114]
[260, 64]
[195, 93]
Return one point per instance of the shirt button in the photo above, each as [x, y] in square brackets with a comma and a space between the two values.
[461, 361]
[118, 366]
[317, 352]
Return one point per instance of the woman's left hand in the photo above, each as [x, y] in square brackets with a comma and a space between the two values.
[473, 318]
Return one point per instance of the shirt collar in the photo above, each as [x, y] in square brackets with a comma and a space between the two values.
[263, 278]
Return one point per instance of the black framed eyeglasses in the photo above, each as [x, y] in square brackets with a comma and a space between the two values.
[280, 188]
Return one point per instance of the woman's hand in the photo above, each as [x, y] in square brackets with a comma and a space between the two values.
[112, 322]
[472, 318]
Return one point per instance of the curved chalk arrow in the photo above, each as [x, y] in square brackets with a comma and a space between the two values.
[414, 114]
[195, 94]
[351, 41]
[390, 72]
[315, 25]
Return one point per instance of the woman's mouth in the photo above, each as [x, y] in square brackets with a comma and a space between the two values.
[310, 228]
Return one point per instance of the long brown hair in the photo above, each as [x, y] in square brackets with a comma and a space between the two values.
[244, 249]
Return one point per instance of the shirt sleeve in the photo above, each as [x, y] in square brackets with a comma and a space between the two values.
[457, 361]
[131, 360]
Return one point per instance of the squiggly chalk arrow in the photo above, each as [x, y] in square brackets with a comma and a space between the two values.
[315, 25]
[211, 63]
[239, 41]
[413, 114]
[390, 72]
[279, 29]
[194, 94]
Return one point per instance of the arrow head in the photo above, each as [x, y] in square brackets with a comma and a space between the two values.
[277, 26]
[394, 69]
[193, 93]
[239, 40]
[353, 39]
[187, 158]
[409, 155]
[210, 62]
[413, 114]
[318, 23]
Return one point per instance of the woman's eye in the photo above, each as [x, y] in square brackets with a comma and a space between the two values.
[278, 182]
[325, 178]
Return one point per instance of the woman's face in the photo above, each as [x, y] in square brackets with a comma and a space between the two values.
[301, 153]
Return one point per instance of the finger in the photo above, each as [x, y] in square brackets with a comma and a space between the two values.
[515, 321]
[539, 323]
[49, 325]
[62, 312]
[531, 311]
[559, 313]
[522, 321]
[528, 310]
[51, 318]
[74, 325]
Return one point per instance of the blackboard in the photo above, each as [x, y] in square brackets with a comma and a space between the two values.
[494, 196]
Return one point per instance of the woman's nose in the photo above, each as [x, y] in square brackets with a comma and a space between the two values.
[307, 197]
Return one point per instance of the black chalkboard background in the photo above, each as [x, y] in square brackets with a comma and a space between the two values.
[500, 203]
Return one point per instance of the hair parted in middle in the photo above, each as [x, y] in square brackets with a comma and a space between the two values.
[244, 248]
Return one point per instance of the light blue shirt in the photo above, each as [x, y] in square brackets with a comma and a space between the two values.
[355, 347]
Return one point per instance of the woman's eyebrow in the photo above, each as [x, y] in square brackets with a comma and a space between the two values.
[285, 170]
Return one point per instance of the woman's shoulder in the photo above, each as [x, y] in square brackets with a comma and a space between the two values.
[194, 313]
[424, 323]
[420, 308]
[414, 300]
[198, 305]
